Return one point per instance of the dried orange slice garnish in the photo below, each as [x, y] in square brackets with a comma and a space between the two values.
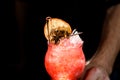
[55, 29]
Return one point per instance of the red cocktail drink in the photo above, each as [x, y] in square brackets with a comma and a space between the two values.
[65, 61]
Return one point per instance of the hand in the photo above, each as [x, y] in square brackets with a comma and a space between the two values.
[94, 72]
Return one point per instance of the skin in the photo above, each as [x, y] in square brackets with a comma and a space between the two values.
[101, 64]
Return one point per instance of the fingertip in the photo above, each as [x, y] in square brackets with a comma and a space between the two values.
[91, 75]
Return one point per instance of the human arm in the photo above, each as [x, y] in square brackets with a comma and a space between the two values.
[101, 64]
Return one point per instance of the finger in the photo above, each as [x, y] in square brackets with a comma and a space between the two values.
[86, 73]
[107, 78]
[96, 74]
[92, 74]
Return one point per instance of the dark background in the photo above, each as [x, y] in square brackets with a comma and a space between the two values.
[25, 44]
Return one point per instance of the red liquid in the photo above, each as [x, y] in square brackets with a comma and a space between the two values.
[64, 63]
